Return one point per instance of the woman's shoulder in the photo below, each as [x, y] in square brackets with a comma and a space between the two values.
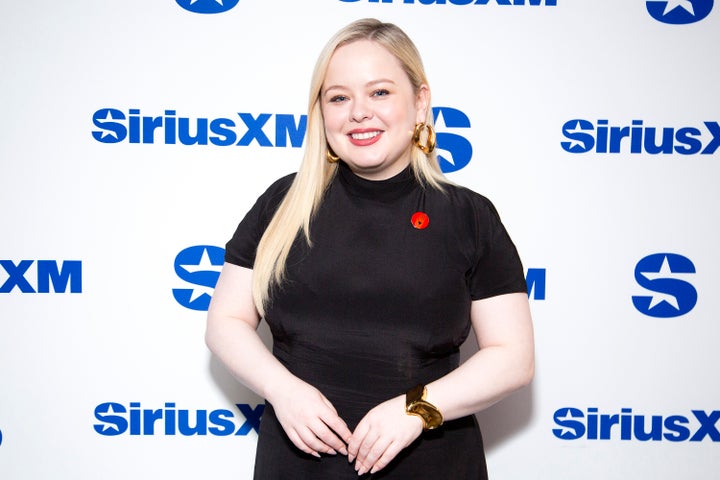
[462, 197]
[277, 190]
[282, 184]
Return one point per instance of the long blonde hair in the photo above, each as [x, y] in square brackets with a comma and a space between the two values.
[315, 174]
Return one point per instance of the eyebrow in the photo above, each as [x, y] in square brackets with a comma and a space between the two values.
[369, 84]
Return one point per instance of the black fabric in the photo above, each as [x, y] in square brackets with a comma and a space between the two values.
[377, 306]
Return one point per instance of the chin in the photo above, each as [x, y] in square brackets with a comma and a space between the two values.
[365, 164]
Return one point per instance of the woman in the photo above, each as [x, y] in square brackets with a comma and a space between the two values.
[370, 268]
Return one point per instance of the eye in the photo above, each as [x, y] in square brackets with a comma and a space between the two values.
[380, 93]
[337, 99]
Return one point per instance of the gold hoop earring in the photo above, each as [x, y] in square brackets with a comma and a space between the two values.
[429, 145]
[330, 156]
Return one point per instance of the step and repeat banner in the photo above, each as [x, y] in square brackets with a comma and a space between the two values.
[136, 134]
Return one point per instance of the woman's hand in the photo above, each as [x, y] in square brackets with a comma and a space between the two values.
[382, 434]
[310, 420]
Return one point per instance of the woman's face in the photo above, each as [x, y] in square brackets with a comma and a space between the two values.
[370, 109]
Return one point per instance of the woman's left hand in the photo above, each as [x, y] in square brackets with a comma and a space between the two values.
[382, 434]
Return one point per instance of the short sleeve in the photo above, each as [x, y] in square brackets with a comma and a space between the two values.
[498, 269]
[241, 248]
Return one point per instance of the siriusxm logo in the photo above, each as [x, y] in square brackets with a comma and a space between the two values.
[662, 274]
[679, 12]
[548, 3]
[200, 267]
[115, 126]
[264, 130]
[117, 419]
[585, 136]
[575, 424]
[51, 276]
[207, 6]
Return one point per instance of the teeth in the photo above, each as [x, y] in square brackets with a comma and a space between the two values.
[364, 136]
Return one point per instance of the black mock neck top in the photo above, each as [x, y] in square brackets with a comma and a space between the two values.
[377, 306]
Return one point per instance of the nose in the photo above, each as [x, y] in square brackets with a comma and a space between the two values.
[360, 111]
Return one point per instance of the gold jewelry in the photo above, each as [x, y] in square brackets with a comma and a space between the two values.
[429, 145]
[330, 156]
[415, 404]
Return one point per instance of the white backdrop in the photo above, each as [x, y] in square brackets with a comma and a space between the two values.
[110, 235]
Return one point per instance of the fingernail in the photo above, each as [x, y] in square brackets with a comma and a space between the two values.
[316, 454]
[344, 451]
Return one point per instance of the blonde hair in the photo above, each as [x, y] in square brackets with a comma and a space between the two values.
[315, 174]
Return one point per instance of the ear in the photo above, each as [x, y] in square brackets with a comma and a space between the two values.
[422, 103]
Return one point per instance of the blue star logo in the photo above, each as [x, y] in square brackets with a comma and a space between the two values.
[666, 278]
[679, 12]
[207, 6]
[200, 267]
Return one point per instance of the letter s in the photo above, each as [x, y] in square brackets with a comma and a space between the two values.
[112, 424]
[580, 142]
[111, 131]
[571, 429]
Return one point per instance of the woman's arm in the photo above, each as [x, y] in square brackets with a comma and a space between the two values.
[309, 419]
[503, 363]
